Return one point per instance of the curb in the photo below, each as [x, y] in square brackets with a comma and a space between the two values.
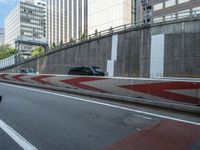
[149, 102]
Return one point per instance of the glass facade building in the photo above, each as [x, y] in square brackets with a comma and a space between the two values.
[67, 20]
[26, 20]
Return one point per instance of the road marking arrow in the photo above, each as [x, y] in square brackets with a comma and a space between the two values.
[3, 76]
[78, 82]
[40, 78]
[160, 90]
[17, 77]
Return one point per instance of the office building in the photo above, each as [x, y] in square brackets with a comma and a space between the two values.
[139, 12]
[2, 36]
[104, 14]
[171, 9]
[67, 20]
[26, 21]
[70, 19]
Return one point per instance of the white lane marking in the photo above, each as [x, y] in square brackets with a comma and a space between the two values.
[16, 137]
[144, 117]
[105, 104]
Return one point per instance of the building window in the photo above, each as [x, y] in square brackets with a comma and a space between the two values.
[158, 6]
[182, 1]
[170, 17]
[196, 10]
[170, 3]
[183, 14]
[158, 19]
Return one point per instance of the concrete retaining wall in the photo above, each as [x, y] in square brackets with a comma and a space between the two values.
[179, 91]
[131, 53]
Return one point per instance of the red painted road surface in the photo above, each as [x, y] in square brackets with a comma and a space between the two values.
[79, 83]
[165, 135]
[179, 91]
[162, 90]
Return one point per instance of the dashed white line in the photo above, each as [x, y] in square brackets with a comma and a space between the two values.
[105, 104]
[16, 136]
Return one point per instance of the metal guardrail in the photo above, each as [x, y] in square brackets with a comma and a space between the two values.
[114, 30]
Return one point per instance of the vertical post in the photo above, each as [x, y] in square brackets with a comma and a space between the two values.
[132, 11]
[147, 10]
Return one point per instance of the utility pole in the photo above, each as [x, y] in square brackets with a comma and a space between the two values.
[147, 11]
[133, 11]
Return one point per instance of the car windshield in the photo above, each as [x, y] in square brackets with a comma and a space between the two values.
[97, 69]
[31, 71]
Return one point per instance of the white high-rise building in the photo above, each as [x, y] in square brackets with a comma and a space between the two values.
[2, 36]
[67, 20]
[26, 20]
[41, 3]
[104, 14]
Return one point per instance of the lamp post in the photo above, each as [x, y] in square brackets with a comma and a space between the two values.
[147, 11]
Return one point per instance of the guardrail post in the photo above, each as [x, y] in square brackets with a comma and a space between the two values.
[195, 14]
[124, 27]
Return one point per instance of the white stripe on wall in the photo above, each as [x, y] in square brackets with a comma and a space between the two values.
[157, 56]
[111, 63]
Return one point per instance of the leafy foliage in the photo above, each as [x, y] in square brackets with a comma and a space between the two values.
[61, 43]
[37, 51]
[83, 36]
[6, 51]
[53, 45]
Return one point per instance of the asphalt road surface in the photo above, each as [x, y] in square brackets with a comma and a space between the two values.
[37, 119]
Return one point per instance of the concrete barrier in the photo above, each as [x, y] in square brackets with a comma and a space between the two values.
[173, 90]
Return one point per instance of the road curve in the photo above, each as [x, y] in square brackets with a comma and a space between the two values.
[55, 122]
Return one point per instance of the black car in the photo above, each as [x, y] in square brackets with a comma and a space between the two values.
[88, 71]
[27, 71]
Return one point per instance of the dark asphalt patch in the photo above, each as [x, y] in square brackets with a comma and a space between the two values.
[7, 143]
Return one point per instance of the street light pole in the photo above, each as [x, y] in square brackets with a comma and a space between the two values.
[147, 11]
[133, 11]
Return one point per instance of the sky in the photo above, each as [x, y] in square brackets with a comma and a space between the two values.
[5, 7]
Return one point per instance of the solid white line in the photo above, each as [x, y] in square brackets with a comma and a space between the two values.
[16, 137]
[105, 104]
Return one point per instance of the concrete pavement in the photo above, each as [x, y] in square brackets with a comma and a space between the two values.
[50, 121]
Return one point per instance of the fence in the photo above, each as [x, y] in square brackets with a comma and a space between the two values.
[7, 61]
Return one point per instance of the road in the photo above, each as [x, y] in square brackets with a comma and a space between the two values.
[46, 120]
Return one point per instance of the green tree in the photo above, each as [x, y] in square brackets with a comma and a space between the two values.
[71, 39]
[111, 30]
[83, 36]
[61, 43]
[53, 45]
[37, 51]
[96, 32]
[6, 51]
